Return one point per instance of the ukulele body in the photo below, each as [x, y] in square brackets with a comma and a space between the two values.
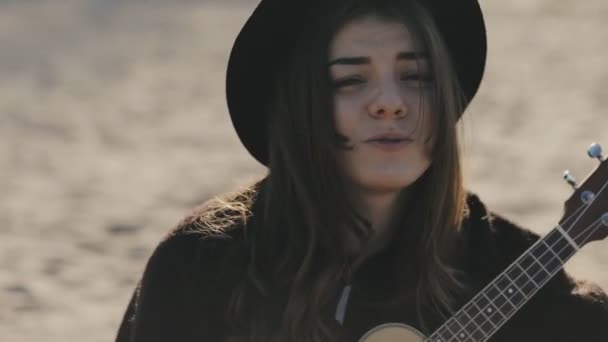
[392, 332]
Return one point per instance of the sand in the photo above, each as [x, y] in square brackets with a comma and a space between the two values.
[113, 125]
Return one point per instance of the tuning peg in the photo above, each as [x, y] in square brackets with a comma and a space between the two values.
[570, 179]
[605, 219]
[595, 151]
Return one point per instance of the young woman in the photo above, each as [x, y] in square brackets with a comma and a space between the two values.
[362, 219]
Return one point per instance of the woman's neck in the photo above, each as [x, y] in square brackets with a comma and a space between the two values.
[380, 209]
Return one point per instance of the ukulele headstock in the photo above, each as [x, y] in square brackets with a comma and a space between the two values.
[586, 211]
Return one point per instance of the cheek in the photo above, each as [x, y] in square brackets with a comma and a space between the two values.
[421, 116]
[343, 116]
[348, 114]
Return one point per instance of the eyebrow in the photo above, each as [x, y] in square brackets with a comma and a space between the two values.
[366, 60]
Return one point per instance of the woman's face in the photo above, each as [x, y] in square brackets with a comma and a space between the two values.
[380, 90]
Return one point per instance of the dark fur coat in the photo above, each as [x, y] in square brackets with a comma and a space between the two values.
[183, 291]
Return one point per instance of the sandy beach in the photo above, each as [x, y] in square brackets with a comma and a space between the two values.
[113, 125]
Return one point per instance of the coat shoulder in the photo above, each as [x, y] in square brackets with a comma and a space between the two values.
[204, 235]
[203, 253]
[212, 234]
[494, 235]
[219, 217]
[590, 292]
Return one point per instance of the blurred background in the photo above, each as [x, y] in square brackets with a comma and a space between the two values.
[113, 125]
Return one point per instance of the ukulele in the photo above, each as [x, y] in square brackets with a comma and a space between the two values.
[585, 219]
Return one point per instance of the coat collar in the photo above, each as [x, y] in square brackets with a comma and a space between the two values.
[476, 233]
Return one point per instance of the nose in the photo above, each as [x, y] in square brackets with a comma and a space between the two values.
[388, 103]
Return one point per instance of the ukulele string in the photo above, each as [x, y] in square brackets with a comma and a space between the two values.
[567, 225]
[589, 230]
[588, 205]
[597, 224]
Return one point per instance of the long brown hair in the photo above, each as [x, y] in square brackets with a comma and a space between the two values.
[302, 227]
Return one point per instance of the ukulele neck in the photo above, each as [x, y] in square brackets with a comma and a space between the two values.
[483, 315]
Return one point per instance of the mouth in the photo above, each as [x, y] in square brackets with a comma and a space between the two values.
[389, 144]
[389, 138]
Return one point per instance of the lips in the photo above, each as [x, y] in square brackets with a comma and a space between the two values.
[388, 138]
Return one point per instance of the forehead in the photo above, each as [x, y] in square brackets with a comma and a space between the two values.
[371, 33]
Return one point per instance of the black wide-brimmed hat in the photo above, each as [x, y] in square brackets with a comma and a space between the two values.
[272, 31]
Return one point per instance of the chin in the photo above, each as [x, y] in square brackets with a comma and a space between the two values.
[385, 184]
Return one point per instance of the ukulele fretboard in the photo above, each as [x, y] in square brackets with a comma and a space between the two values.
[481, 317]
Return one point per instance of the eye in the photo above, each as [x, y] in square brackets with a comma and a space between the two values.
[347, 82]
[417, 78]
